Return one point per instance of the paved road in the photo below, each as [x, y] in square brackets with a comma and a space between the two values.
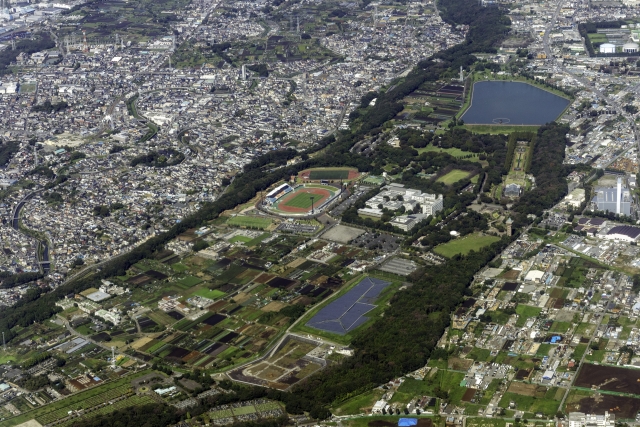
[573, 380]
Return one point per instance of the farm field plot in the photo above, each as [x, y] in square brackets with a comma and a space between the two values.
[79, 401]
[465, 245]
[250, 222]
[285, 368]
[348, 311]
[122, 404]
[190, 281]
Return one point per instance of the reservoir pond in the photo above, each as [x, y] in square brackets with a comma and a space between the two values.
[512, 103]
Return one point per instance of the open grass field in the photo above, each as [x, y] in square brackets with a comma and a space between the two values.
[598, 38]
[500, 129]
[250, 222]
[242, 239]
[526, 312]
[453, 176]
[358, 404]
[190, 281]
[209, 293]
[464, 245]
[455, 152]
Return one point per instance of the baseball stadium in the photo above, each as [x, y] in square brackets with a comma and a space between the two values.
[301, 199]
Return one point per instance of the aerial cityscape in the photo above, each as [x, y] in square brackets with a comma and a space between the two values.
[321, 213]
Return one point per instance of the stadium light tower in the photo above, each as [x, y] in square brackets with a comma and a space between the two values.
[311, 197]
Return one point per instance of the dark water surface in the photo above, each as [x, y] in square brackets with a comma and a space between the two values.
[515, 103]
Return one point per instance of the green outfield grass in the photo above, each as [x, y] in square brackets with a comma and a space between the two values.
[454, 176]
[473, 242]
[249, 221]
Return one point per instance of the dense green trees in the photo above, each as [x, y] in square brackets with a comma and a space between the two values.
[48, 107]
[549, 171]
[168, 157]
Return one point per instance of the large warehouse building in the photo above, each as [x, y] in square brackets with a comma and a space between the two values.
[613, 199]
[625, 233]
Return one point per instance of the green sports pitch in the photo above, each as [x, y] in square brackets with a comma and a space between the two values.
[329, 174]
[249, 221]
[303, 200]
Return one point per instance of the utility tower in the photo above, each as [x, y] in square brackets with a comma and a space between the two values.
[298, 24]
[4, 344]
[113, 357]
[85, 45]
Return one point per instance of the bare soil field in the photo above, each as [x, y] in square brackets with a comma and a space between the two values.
[622, 407]
[609, 378]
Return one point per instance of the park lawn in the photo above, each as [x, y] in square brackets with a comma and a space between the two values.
[454, 176]
[250, 222]
[209, 293]
[598, 38]
[500, 129]
[455, 152]
[242, 239]
[464, 245]
[526, 312]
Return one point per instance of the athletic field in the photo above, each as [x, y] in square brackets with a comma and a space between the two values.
[299, 200]
[304, 200]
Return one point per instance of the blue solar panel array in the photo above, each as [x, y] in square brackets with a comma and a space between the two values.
[348, 312]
